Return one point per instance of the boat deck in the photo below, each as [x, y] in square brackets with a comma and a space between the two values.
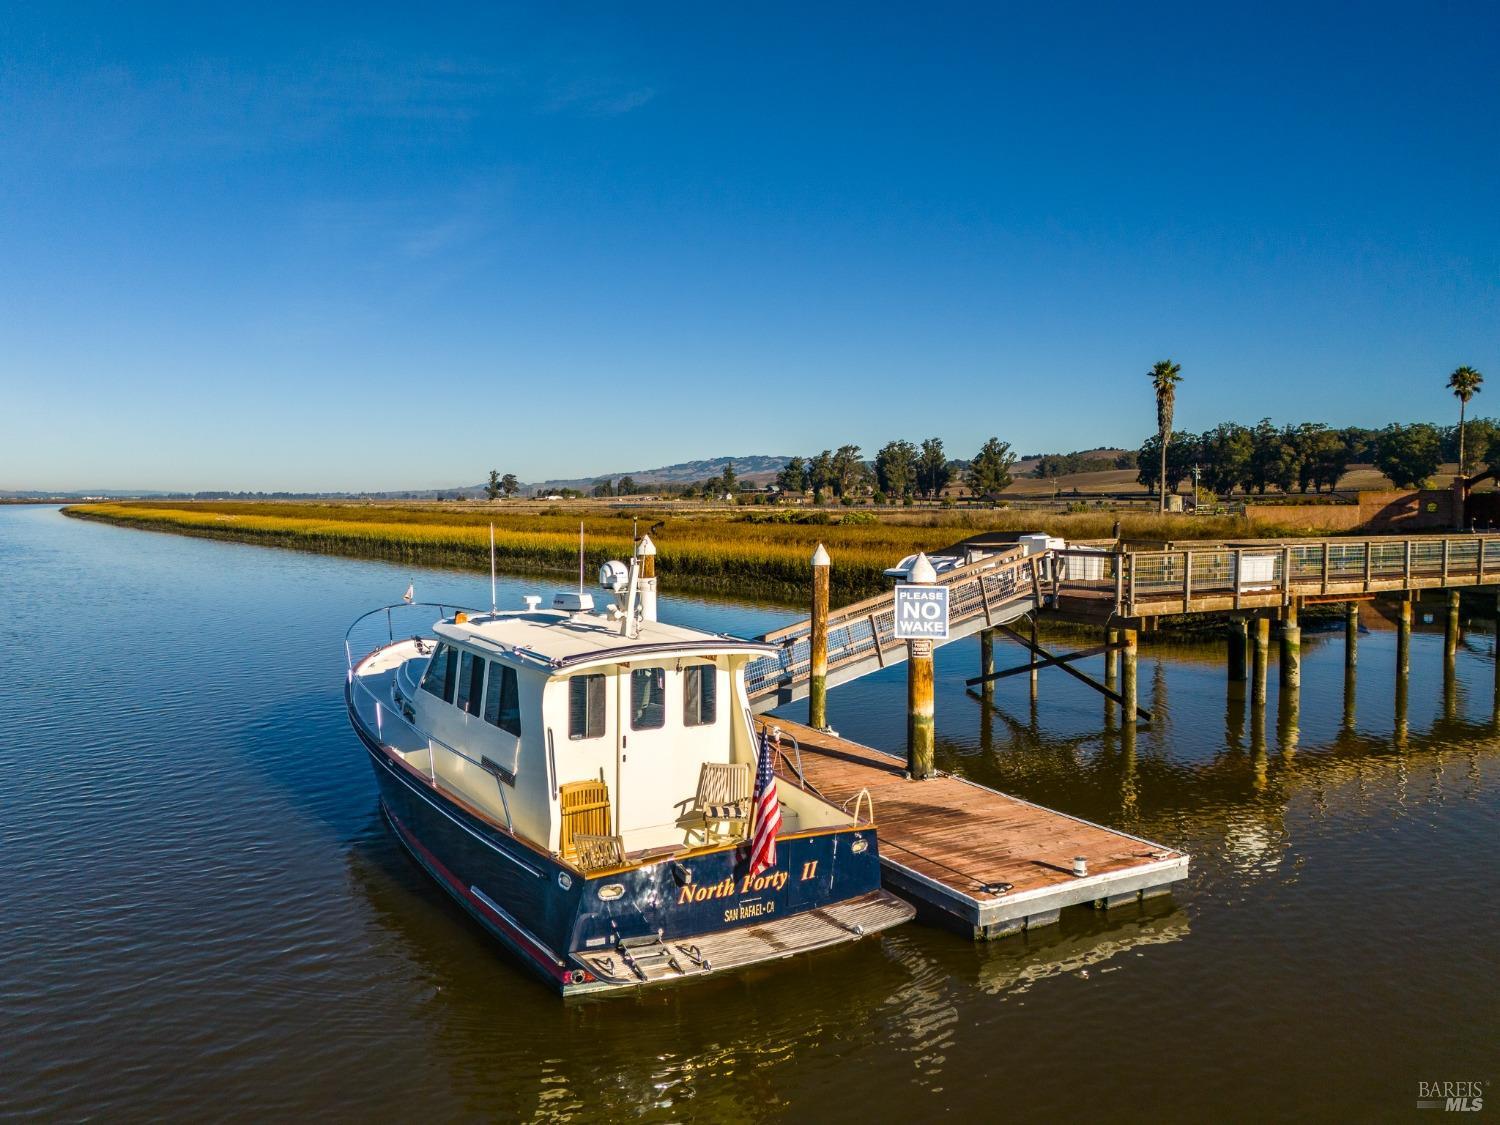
[985, 861]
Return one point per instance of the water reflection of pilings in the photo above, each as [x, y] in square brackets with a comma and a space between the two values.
[1450, 684]
[1258, 740]
[1129, 788]
[1288, 715]
[1400, 735]
[1351, 681]
[1234, 721]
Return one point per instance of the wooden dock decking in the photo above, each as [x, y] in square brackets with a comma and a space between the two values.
[990, 863]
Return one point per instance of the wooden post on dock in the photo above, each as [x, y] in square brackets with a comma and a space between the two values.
[920, 728]
[921, 734]
[1260, 653]
[1034, 645]
[817, 690]
[1238, 635]
[1112, 668]
[1351, 634]
[987, 663]
[1291, 647]
[1403, 639]
[1128, 677]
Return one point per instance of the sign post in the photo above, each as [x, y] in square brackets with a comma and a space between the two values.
[921, 618]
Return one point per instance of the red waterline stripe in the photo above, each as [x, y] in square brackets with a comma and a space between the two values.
[524, 941]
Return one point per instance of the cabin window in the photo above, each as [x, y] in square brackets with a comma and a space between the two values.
[648, 698]
[470, 682]
[502, 700]
[442, 671]
[699, 703]
[586, 707]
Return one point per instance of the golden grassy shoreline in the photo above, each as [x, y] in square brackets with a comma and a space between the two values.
[757, 551]
[752, 551]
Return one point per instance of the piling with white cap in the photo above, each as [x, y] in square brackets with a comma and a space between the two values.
[920, 726]
[817, 690]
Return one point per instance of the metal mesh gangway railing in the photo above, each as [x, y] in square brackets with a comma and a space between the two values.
[861, 637]
[1204, 577]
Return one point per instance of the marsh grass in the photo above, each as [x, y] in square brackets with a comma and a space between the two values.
[764, 554]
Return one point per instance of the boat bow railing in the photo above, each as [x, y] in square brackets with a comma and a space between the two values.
[391, 727]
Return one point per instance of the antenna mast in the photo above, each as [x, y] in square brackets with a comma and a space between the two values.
[580, 556]
[492, 570]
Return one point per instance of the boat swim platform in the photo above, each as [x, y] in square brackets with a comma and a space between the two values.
[970, 857]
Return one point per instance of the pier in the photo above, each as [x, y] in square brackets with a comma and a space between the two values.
[974, 859]
[991, 864]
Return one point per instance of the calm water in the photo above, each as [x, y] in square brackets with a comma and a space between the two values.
[203, 915]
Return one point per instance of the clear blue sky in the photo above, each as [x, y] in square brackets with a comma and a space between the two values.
[267, 246]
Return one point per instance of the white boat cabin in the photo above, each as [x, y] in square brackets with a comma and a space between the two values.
[563, 725]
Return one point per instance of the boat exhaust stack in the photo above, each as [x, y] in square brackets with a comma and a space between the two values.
[646, 552]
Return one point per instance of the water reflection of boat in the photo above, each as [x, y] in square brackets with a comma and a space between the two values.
[585, 785]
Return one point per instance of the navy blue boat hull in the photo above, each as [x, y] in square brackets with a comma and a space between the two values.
[544, 911]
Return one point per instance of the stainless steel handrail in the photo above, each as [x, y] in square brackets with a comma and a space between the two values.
[441, 607]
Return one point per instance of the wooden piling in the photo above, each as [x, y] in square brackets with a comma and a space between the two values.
[1351, 634]
[987, 663]
[1260, 652]
[1237, 635]
[1451, 626]
[1112, 670]
[1034, 645]
[921, 735]
[1403, 639]
[920, 729]
[1128, 676]
[817, 691]
[1291, 648]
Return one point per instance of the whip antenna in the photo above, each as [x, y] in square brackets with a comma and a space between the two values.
[492, 570]
[580, 556]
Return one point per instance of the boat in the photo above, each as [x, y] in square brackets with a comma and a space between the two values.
[591, 787]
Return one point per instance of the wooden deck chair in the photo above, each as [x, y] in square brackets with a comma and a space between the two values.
[594, 853]
[585, 811]
[720, 810]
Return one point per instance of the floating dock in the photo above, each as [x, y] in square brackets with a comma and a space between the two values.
[983, 861]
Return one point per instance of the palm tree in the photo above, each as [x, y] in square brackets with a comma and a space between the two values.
[1164, 377]
[1464, 383]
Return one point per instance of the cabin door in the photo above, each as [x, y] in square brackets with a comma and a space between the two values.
[645, 789]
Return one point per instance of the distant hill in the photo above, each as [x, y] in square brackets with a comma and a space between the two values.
[753, 469]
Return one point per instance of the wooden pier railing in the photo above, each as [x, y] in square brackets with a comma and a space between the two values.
[1214, 577]
[861, 637]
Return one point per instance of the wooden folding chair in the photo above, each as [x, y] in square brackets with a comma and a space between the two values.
[594, 853]
[585, 811]
[720, 810]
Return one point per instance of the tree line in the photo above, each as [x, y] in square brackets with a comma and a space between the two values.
[1232, 456]
[1311, 457]
[902, 471]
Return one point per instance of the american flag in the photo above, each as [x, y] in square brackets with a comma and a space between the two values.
[767, 812]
